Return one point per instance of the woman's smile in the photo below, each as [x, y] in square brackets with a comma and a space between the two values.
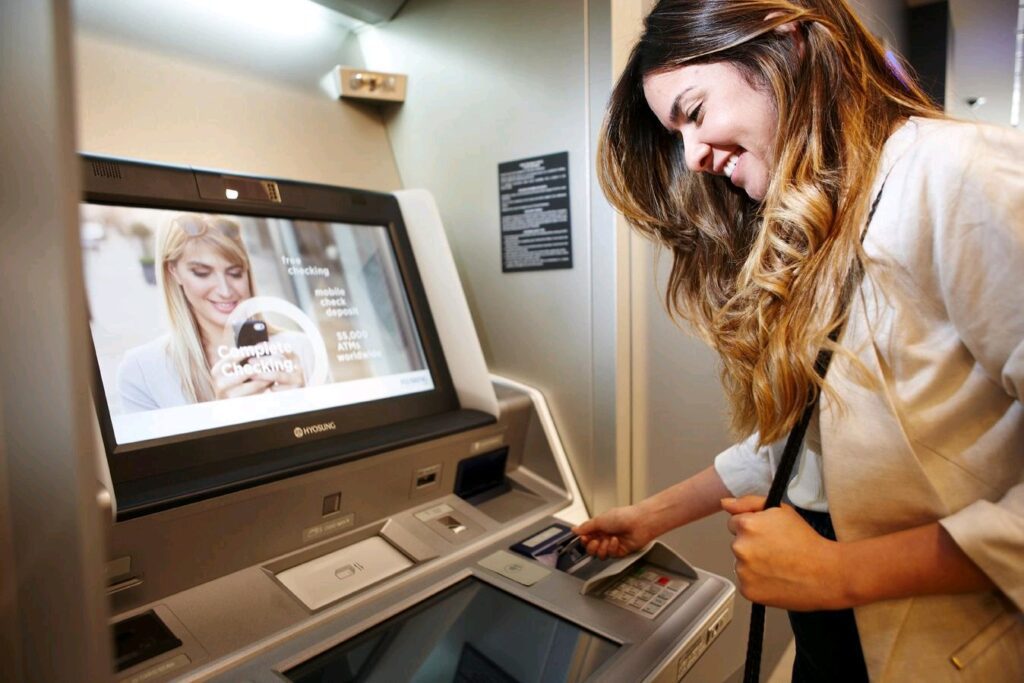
[224, 306]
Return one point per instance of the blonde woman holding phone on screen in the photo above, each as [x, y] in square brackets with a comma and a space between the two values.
[204, 273]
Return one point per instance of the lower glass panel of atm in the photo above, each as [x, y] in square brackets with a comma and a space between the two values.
[467, 633]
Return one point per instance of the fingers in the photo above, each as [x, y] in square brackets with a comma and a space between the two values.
[224, 382]
[737, 523]
[282, 371]
[603, 547]
[585, 529]
[738, 506]
[254, 386]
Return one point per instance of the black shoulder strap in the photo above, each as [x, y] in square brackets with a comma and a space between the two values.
[780, 482]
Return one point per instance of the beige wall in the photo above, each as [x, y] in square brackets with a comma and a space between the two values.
[886, 19]
[493, 81]
[160, 106]
[981, 59]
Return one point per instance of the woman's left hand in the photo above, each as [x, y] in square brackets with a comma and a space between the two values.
[283, 379]
[780, 560]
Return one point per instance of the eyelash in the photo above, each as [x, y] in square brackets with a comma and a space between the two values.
[205, 274]
[694, 115]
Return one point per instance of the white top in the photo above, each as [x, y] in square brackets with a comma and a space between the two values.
[911, 153]
[148, 380]
[746, 469]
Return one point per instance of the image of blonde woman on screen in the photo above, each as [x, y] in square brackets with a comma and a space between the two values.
[204, 273]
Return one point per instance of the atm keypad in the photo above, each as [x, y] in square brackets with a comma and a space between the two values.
[645, 590]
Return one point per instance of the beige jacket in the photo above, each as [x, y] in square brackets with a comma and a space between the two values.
[939, 326]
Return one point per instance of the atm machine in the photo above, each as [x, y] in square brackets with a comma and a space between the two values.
[347, 495]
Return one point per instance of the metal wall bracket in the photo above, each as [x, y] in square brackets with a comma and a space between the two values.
[360, 84]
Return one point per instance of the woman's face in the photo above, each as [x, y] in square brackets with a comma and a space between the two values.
[213, 286]
[728, 127]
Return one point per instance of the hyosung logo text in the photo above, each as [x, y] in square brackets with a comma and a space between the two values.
[300, 432]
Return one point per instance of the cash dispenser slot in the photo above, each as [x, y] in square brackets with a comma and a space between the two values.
[483, 482]
[482, 477]
[141, 638]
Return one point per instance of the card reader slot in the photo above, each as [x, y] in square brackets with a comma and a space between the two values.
[558, 548]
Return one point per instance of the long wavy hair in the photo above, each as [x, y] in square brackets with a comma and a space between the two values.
[763, 283]
[186, 344]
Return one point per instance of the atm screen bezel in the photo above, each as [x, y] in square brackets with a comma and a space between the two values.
[163, 473]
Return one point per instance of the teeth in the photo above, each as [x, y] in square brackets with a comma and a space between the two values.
[730, 166]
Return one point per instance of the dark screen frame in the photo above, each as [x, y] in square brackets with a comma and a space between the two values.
[169, 471]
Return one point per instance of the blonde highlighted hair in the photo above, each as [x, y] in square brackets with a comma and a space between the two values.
[186, 348]
[763, 283]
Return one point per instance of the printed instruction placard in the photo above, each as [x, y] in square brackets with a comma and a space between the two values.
[536, 232]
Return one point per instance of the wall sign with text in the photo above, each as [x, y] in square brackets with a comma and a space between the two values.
[536, 232]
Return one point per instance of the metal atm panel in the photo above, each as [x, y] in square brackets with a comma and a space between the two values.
[265, 551]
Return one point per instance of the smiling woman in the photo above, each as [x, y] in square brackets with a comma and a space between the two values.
[814, 200]
[795, 101]
[204, 273]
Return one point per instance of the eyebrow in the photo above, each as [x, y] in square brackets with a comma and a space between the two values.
[676, 112]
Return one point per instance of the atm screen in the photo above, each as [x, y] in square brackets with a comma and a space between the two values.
[469, 632]
[206, 321]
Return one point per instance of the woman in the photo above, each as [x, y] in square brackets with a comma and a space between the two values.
[204, 273]
[760, 142]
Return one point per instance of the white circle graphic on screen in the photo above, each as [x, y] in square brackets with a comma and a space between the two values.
[270, 304]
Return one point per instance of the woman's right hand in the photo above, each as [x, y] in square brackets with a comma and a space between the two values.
[233, 383]
[617, 532]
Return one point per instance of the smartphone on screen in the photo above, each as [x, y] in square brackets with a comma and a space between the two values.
[251, 332]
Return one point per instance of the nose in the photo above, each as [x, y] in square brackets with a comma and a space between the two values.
[696, 154]
[223, 286]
